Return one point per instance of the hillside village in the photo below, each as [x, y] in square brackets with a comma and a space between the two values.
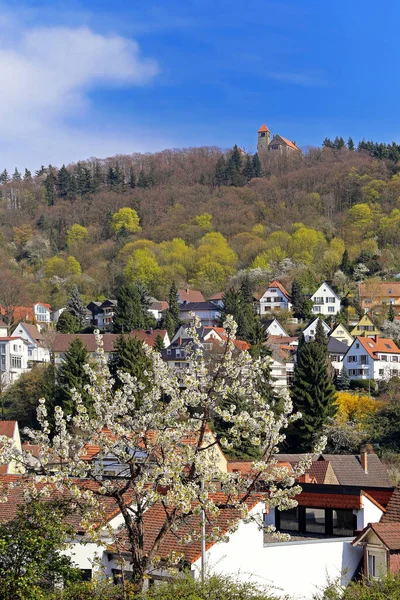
[346, 516]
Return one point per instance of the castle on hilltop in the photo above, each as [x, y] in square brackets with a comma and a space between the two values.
[278, 143]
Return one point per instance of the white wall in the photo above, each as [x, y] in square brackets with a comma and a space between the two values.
[294, 568]
[369, 514]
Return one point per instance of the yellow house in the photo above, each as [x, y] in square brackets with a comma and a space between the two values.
[340, 333]
[366, 327]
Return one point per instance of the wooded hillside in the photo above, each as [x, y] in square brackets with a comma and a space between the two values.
[198, 216]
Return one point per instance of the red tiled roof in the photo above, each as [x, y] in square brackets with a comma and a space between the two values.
[147, 336]
[154, 518]
[7, 428]
[217, 296]
[263, 128]
[277, 284]
[320, 500]
[62, 341]
[380, 345]
[380, 288]
[389, 534]
[322, 472]
[289, 143]
[393, 508]
[188, 295]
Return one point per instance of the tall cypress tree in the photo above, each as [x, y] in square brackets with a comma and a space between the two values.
[168, 323]
[345, 265]
[313, 394]
[298, 299]
[129, 313]
[321, 338]
[173, 303]
[76, 307]
[16, 175]
[220, 172]
[257, 169]
[71, 374]
[50, 186]
[27, 174]
[391, 313]
[98, 177]
[350, 144]
[158, 344]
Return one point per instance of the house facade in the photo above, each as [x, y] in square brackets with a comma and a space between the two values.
[373, 358]
[208, 312]
[273, 327]
[101, 314]
[325, 301]
[365, 326]
[275, 297]
[38, 351]
[13, 359]
[340, 333]
[376, 296]
[311, 329]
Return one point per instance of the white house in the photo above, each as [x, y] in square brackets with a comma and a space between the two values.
[273, 327]
[42, 312]
[157, 308]
[373, 358]
[13, 359]
[326, 302]
[38, 352]
[336, 353]
[208, 312]
[275, 298]
[10, 430]
[311, 329]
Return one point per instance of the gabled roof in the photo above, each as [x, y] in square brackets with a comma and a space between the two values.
[149, 336]
[322, 472]
[337, 347]
[217, 296]
[324, 284]
[376, 345]
[7, 428]
[277, 284]
[33, 332]
[393, 508]
[314, 321]
[289, 143]
[388, 533]
[339, 326]
[263, 128]
[187, 295]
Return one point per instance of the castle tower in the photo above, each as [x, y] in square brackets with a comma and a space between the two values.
[264, 138]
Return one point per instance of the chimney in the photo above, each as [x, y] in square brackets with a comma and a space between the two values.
[365, 450]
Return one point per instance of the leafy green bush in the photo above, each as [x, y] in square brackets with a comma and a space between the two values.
[385, 589]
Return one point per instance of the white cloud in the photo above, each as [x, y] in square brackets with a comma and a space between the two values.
[46, 75]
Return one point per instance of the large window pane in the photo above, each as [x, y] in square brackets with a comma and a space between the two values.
[342, 521]
[315, 520]
[289, 519]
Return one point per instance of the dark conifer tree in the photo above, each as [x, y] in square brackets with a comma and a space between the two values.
[63, 182]
[129, 313]
[67, 323]
[27, 174]
[16, 175]
[321, 339]
[313, 394]
[71, 374]
[111, 180]
[130, 357]
[40, 171]
[173, 304]
[50, 186]
[248, 170]
[98, 177]
[142, 181]
[158, 344]
[257, 169]
[220, 172]
[350, 144]
[298, 299]
[168, 323]
[4, 176]
[343, 379]
[327, 143]
[391, 313]
[345, 265]
[132, 179]
[76, 307]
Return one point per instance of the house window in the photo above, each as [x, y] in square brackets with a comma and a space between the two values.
[316, 308]
[395, 359]
[3, 357]
[381, 372]
[319, 300]
[351, 359]
[330, 300]
[376, 564]
[331, 309]
[268, 299]
[364, 359]
[315, 520]
[357, 345]
[289, 519]
[16, 362]
[342, 522]
[384, 358]
[395, 372]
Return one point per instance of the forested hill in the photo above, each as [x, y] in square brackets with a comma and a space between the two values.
[198, 216]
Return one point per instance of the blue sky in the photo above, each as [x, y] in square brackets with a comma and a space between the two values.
[95, 78]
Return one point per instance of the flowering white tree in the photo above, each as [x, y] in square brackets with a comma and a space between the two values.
[160, 444]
